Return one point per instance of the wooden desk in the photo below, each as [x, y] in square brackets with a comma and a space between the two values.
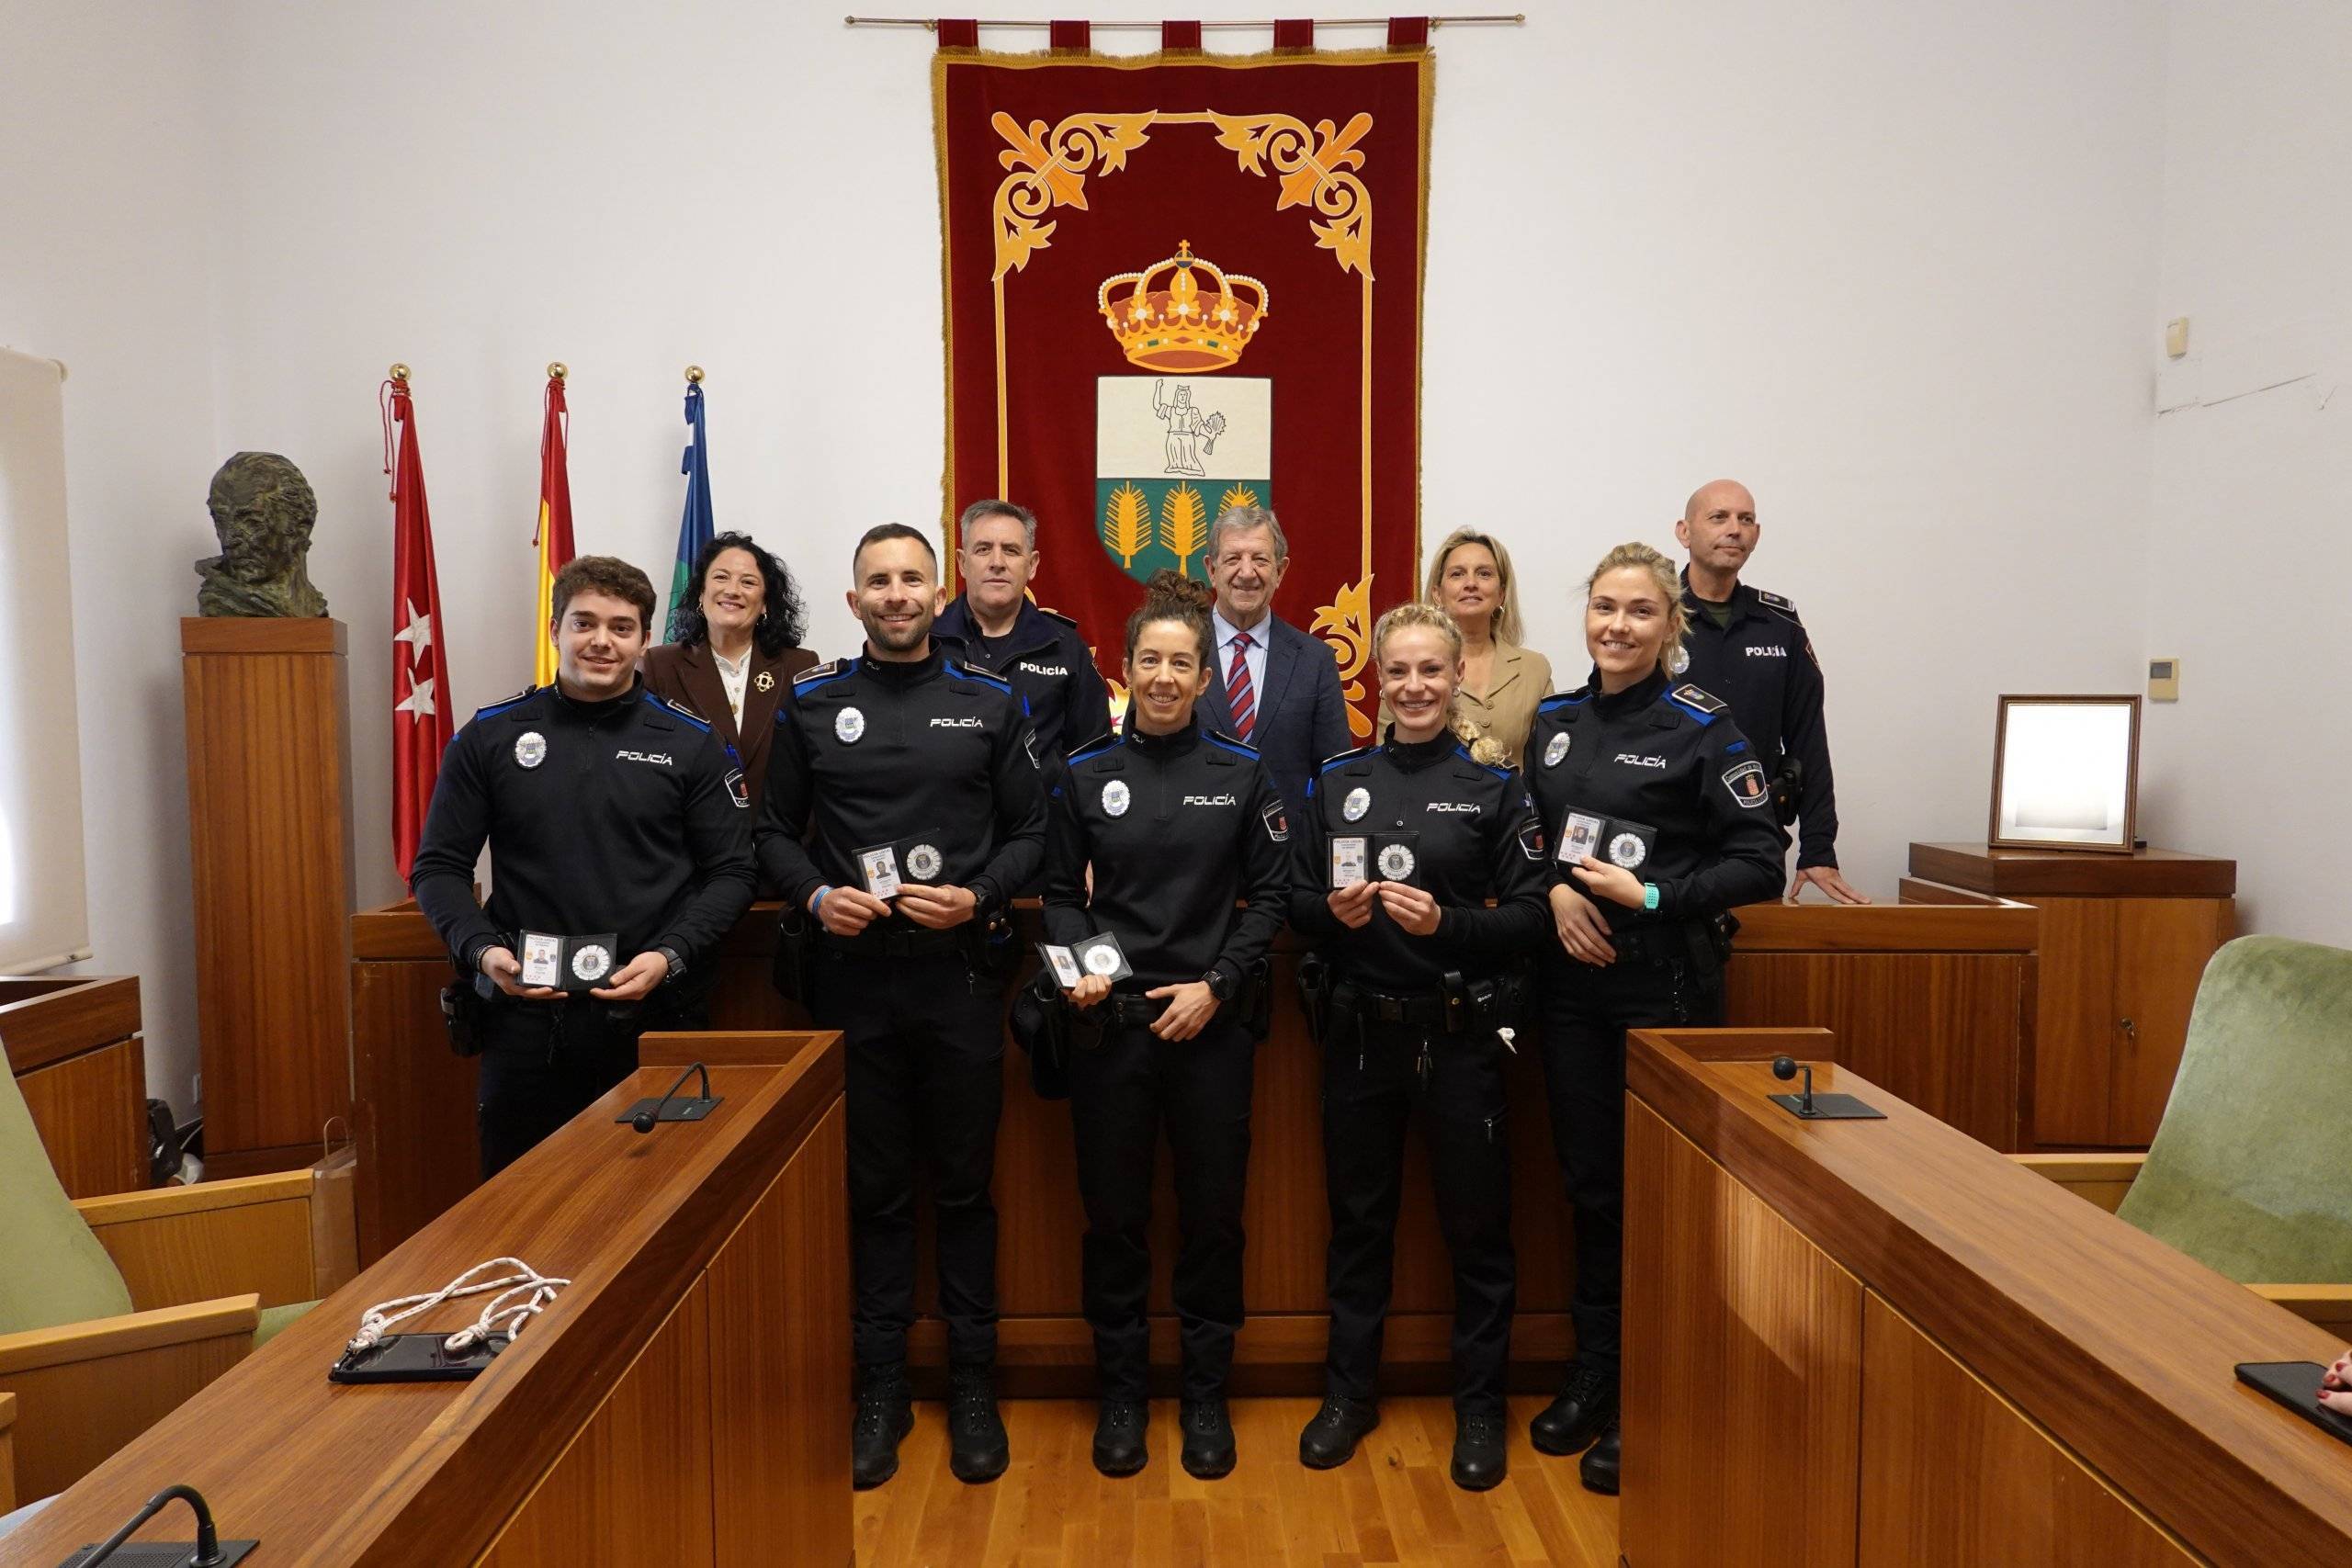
[1929, 993]
[1880, 1344]
[2124, 941]
[74, 1047]
[683, 1402]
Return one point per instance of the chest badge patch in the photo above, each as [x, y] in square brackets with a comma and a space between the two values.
[1359, 801]
[849, 725]
[1116, 797]
[764, 681]
[531, 749]
[1556, 748]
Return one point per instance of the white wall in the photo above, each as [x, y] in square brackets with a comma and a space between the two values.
[2254, 457]
[1893, 265]
[105, 181]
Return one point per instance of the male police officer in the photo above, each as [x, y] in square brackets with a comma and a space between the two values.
[606, 810]
[914, 785]
[993, 627]
[1747, 646]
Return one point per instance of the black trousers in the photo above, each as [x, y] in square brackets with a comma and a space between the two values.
[544, 1062]
[1373, 1073]
[924, 1039]
[1586, 1012]
[1121, 1093]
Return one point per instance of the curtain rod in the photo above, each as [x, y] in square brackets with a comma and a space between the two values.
[930, 24]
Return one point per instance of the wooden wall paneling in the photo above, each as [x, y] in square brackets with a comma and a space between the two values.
[2076, 1039]
[780, 1361]
[91, 1112]
[270, 837]
[2161, 949]
[413, 1120]
[1955, 1476]
[1752, 1338]
[634, 1489]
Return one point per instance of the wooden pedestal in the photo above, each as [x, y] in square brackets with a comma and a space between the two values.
[74, 1047]
[2124, 941]
[268, 787]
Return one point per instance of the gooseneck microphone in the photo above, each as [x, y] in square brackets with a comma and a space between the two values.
[647, 1115]
[1828, 1108]
[1783, 1068]
[208, 1552]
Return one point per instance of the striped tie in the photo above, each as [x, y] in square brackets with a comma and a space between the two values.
[1237, 695]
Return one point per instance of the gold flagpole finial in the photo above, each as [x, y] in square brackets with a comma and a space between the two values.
[558, 369]
[694, 374]
[400, 372]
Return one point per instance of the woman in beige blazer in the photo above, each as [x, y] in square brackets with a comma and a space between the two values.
[1471, 580]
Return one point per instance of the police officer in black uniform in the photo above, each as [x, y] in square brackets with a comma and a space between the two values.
[606, 809]
[993, 625]
[1749, 648]
[1660, 815]
[1420, 975]
[903, 808]
[1179, 824]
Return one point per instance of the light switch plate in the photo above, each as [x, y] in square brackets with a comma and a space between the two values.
[2163, 679]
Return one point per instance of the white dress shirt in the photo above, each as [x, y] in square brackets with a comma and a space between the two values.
[732, 674]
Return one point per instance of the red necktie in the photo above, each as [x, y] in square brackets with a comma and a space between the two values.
[1238, 697]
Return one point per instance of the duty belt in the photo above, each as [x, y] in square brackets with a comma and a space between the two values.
[1421, 1010]
[1129, 1011]
[1681, 942]
[899, 944]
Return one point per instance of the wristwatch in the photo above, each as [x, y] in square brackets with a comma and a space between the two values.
[677, 962]
[1219, 986]
[1649, 895]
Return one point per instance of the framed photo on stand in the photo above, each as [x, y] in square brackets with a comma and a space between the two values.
[2066, 773]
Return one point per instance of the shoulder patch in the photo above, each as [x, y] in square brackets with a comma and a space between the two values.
[1705, 705]
[1775, 603]
[1058, 616]
[681, 710]
[970, 672]
[1219, 737]
[1329, 762]
[818, 675]
[504, 702]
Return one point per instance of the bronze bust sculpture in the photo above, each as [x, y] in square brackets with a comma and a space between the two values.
[263, 511]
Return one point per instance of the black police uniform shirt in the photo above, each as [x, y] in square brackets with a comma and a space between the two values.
[1048, 664]
[1476, 837]
[919, 755]
[624, 816]
[1191, 849]
[1665, 755]
[1763, 665]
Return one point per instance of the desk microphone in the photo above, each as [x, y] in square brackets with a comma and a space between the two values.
[209, 1552]
[1805, 1107]
[672, 1107]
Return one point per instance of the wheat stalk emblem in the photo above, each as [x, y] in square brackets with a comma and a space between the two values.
[1127, 524]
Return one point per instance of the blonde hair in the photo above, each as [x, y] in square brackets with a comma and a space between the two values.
[1414, 613]
[1505, 626]
[1663, 576]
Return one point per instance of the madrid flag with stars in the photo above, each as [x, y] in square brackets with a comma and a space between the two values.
[421, 725]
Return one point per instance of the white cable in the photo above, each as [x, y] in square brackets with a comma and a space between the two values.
[380, 1319]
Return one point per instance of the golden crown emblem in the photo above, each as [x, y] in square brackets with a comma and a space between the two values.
[1182, 327]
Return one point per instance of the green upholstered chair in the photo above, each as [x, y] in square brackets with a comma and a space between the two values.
[2251, 1171]
[115, 1309]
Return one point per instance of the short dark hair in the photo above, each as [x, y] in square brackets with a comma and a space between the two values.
[981, 511]
[882, 532]
[782, 619]
[601, 574]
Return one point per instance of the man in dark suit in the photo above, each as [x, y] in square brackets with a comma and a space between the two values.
[1276, 687]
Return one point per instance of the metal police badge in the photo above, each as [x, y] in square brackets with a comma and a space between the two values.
[1359, 801]
[1396, 861]
[922, 862]
[1556, 748]
[1115, 797]
[848, 725]
[1627, 850]
[590, 962]
[531, 749]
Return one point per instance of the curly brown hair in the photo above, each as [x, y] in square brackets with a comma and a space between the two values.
[603, 574]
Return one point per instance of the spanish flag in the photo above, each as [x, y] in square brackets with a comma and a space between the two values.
[554, 537]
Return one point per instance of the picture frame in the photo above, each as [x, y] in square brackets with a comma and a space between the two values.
[2065, 774]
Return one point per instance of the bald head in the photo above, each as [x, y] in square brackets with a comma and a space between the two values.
[1718, 530]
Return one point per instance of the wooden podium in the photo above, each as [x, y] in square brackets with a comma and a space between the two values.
[683, 1402]
[269, 830]
[1879, 1344]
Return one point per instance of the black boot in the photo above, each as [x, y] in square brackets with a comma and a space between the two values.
[977, 1447]
[1208, 1439]
[1478, 1461]
[1587, 1403]
[1600, 1465]
[1118, 1437]
[1330, 1438]
[885, 1416]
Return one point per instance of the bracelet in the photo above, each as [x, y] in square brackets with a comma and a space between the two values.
[817, 904]
[1649, 895]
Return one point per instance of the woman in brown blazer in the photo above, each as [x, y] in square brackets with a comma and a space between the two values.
[737, 648]
[1471, 580]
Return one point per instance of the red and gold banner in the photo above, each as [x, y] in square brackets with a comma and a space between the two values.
[1182, 282]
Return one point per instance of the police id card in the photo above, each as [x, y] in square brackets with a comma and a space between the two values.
[542, 960]
[1350, 852]
[1063, 963]
[1101, 958]
[1581, 836]
[880, 867]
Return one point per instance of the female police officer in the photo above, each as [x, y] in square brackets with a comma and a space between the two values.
[1661, 819]
[1404, 845]
[1177, 825]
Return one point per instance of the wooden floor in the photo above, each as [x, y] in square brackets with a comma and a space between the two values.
[1391, 1503]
